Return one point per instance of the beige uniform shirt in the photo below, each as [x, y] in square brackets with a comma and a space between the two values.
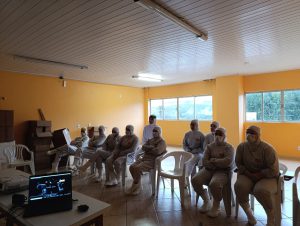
[258, 157]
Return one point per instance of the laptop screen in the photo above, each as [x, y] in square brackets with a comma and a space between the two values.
[50, 191]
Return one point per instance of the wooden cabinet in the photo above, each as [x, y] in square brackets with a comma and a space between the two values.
[6, 126]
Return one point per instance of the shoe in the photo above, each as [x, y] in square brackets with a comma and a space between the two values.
[206, 202]
[51, 152]
[98, 180]
[137, 189]
[112, 182]
[215, 210]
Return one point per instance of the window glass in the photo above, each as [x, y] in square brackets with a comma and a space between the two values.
[203, 107]
[272, 106]
[186, 108]
[170, 109]
[253, 106]
[156, 108]
[292, 105]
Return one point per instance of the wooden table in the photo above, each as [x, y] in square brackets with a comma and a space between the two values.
[94, 215]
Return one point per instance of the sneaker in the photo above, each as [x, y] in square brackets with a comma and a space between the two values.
[112, 182]
[51, 152]
[205, 207]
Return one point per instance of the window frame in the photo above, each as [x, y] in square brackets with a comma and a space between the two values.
[177, 108]
[282, 104]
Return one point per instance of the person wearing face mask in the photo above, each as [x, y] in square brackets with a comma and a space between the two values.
[258, 169]
[103, 153]
[94, 143]
[74, 148]
[128, 143]
[218, 162]
[210, 137]
[152, 149]
[147, 135]
[193, 142]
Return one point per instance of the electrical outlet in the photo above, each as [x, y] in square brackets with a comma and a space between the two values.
[89, 125]
[78, 126]
[298, 148]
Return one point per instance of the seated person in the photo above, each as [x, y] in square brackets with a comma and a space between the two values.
[103, 153]
[152, 148]
[74, 148]
[258, 169]
[218, 161]
[210, 137]
[193, 142]
[147, 134]
[128, 144]
[94, 143]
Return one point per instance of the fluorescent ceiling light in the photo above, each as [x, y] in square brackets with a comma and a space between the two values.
[148, 77]
[148, 4]
[38, 60]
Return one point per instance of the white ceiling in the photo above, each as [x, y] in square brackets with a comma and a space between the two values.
[118, 38]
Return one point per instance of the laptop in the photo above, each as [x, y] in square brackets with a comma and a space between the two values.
[49, 193]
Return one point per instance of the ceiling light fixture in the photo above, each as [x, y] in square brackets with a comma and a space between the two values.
[148, 77]
[148, 4]
[38, 60]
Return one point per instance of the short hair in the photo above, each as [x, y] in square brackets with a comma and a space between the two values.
[152, 116]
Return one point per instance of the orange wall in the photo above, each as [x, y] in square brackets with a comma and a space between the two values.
[173, 131]
[283, 136]
[79, 103]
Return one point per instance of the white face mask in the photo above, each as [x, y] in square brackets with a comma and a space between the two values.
[250, 138]
[219, 139]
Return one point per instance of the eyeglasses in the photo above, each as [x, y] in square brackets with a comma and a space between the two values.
[155, 131]
[128, 130]
[250, 131]
[219, 133]
[212, 125]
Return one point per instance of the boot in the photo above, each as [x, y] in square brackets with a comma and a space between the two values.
[136, 188]
[206, 202]
[249, 213]
[85, 166]
[271, 217]
[215, 210]
[99, 178]
[55, 166]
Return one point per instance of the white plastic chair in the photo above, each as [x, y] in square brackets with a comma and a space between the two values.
[276, 199]
[296, 201]
[184, 164]
[283, 169]
[15, 157]
[128, 160]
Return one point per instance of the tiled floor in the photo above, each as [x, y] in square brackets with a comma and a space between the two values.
[145, 210]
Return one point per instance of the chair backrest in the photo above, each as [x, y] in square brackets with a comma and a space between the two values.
[180, 158]
[282, 168]
[296, 201]
[5, 148]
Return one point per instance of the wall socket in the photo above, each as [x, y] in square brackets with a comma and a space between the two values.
[78, 126]
[298, 148]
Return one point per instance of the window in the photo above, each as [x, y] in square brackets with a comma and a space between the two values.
[170, 109]
[253, 107]
[182, 108]
[186, 108]
[156, 108]
[273, 106]
[292, 105]
[203, 107]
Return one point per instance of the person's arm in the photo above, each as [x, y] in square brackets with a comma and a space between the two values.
[200, 148]
[206, 159]
[133, 147]
[158, 149]
[239, 159]
[226, 161]
[185, 145]
[271, 168]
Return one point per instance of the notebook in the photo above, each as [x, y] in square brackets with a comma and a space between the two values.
[49, 193]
